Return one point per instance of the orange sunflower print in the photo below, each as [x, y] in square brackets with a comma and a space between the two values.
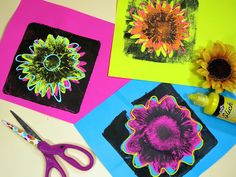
[160, 27]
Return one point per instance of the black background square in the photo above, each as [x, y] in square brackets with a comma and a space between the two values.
[116, 133]
[71, 101]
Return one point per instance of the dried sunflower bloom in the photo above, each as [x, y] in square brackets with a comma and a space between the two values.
[217, 64]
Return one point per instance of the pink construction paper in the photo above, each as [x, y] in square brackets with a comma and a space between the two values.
[100, 85]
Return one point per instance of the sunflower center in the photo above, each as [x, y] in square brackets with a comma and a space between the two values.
[219, 69]
[51, 62]
[160, 27]
[164, 132]
[165, 29]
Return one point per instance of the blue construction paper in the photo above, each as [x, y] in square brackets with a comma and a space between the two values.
[93, 124]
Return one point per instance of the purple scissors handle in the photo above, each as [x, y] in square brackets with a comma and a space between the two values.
[49, 151]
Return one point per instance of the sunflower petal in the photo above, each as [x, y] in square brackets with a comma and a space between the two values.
[163, 52]
[62, 89]
[135, 36]
[218, 49]
[199, 61]
[43, 89]
[229, 50]
[66, 41]
[219, 90]
[203, 72]
[216, 84]
[28, 57]
[203, 64]
[206, 56]
[136, 17]
[59, 40]
[206, 84]
[158, 52]
[50, 40]
[229, 85]
[171, 53]
[131, 23]
[41, 43]
[143, 48]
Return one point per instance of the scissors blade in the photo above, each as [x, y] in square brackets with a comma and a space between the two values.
[25, 126]
[23, 134]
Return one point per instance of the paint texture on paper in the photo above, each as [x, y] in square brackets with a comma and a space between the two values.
[158, 39]
[34, 21]
[162, 136]
[161, 31]
[52, 67]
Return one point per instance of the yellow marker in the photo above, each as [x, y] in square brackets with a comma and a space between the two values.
[217, 105]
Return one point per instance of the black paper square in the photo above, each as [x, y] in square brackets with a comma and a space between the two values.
[71, 100]
[116, 133]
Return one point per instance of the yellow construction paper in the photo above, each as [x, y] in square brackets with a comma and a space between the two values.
[215, 20]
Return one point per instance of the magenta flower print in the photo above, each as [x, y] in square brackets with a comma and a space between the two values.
[163, 135]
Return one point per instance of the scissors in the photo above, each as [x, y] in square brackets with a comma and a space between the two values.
[49, 151]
